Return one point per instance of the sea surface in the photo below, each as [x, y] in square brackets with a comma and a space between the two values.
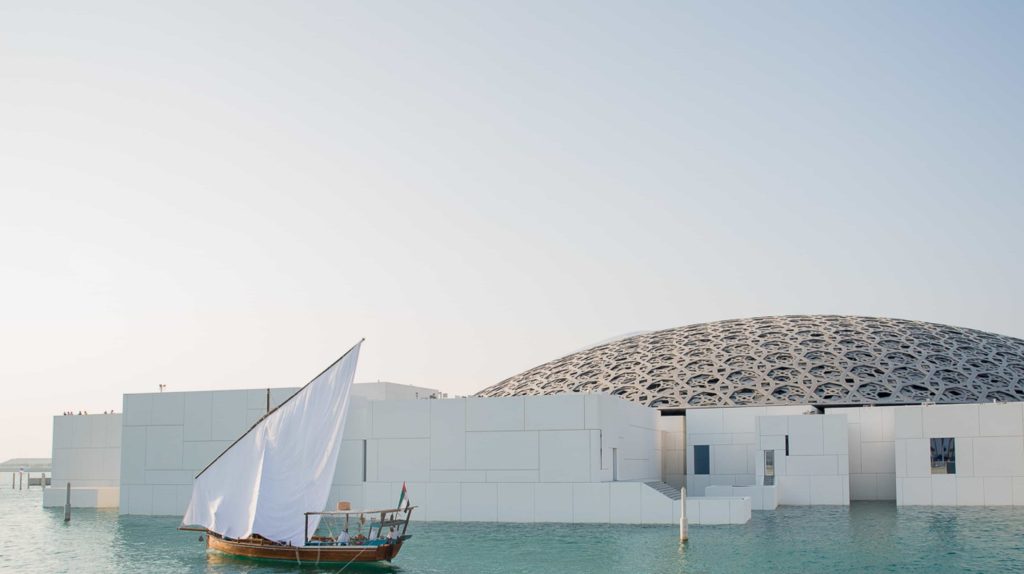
[866, 537]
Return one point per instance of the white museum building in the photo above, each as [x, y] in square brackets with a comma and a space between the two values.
[748, 415]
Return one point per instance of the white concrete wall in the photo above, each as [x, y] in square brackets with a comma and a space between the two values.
[731, 434]
[872, 451]
[521, 459]
[86, 451]
[761, 497]
[167, 438]
[816, 471]
[989, 450]
[718, 510]
[82, 497]
[510, 459]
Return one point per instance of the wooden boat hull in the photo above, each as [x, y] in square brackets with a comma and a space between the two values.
[304, 554]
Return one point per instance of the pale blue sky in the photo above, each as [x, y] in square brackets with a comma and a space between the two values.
[226, 195]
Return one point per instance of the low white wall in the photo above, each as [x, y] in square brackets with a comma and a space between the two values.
[718, 510]
[989, 446]
[731, 434]
[83, 497]
[761, 497]
[816, 471]
[872, 451]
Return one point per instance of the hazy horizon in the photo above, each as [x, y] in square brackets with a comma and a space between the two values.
[229, 195]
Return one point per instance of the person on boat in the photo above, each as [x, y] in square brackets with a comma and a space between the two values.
[343, 537]
[391, 534]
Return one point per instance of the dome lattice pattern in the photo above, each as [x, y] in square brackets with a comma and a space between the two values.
[785, 360]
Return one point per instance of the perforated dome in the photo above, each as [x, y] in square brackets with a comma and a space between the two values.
[806, 359]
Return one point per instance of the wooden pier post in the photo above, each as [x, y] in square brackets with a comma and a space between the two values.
[67, 504]
[21, 479]
[683, 534]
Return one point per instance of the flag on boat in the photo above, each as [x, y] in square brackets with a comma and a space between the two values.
[403, 498]
[280, 468]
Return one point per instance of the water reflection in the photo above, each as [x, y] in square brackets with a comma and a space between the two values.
[866, 537]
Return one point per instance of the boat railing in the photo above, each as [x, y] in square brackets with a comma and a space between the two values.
[379, 519]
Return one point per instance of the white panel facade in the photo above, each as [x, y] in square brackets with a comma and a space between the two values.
[718, 510]
[731, 435]
[168, 438]
[761, 497]
[519, 459]
[989, 455]
[86, 452]
[816, 469]
[871, 432]
[523, 459]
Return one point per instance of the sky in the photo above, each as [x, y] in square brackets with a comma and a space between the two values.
[215, 195]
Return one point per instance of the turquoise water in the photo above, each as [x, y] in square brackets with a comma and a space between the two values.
[867, 537]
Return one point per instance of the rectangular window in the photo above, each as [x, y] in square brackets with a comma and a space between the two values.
[943, 456]
[787, 445]
[701, 459]
[769, 467]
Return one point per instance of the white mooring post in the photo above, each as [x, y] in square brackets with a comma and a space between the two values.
[67, 504]
[683, 535]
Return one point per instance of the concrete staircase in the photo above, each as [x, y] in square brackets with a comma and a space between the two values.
[668, 490]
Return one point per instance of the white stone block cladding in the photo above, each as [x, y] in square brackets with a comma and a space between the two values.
[82, 497]
[871, 432]
[732, 439]
[761, 497]
[718, 510]
[816, 471]
[167, 438]
[514, 459]
[87, 451]
[989, 447]
[466, 459]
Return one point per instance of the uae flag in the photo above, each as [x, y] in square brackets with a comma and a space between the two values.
[403, 499]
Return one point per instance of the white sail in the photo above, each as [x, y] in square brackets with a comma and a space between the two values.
[281, 468]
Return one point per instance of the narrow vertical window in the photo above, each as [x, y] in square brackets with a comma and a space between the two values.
[943, 456]
[701, 459]
[787, 445]
[364, 460]
[769, 467]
